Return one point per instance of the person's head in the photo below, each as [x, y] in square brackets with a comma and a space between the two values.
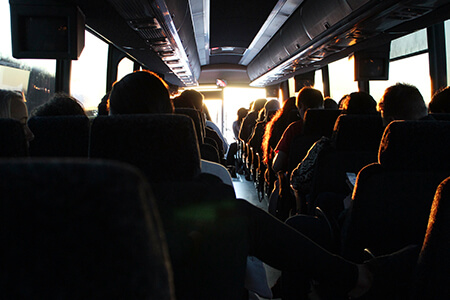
[241, 114]
[440, 103]
[259, 104]
[308, 98]
[329, 103]
[270, 109]
[402, 102]
[60, 105]
[193, 97]
[141, 92]
[359, 103]
[12, 106]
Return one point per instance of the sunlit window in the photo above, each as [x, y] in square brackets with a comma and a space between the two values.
[235, 98]
[125, 67]
[88, 80]
[35, 77]
[342, 78]
[318, 82]
[413, 70]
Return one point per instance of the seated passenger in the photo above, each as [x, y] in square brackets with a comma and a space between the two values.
[143, 92]
[60, 104]
[440, 103]
[402, 102]
[329, 103]
[250, 120]
[192, 98]
[307, 98]
[359, 103]
[268, 239]
[12, 106]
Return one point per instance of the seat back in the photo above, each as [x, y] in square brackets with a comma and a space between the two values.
[12, 139]
[433, 268]
[80, 230]
[392, 198]
[318, 123]
[164, 147]
[196, 118]
[356, 140]
[59, 136]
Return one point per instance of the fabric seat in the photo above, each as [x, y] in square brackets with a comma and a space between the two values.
[356, 141]
[433, 268]
[59, 136]
[392, 198]
[317, 123]
[164, 147]
[78, 229]
[12, 139]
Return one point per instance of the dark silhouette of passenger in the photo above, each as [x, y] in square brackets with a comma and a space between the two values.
[270, 109]
[272, 135]
[440, 103]
[329, 103]
[307, 98]
[402, 102]
[250, 120]
[60, 104]
[268, 239]
[358, 103]
[12, 106]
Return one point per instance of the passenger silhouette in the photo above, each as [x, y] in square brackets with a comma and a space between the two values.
[12, 106]
[60, 104]
[440, 103]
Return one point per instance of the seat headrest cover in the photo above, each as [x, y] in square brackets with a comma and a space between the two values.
[358, 132]
[12, 139]
[78, 229]
[416, 145]
[163, 146]
[320, 122]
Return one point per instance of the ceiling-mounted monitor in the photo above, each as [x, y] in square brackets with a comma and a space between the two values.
[47, 31]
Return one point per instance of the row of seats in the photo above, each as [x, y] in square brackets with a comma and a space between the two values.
[196, 210]
[91, 229]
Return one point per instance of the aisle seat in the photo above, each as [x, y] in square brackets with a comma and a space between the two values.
[12, 139]
[59, 136]
[392, 198]
[78, 229]
[163, 146]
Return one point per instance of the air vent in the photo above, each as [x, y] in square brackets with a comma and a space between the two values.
[408, 13]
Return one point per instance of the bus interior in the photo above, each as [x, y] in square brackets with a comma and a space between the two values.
[233, 52]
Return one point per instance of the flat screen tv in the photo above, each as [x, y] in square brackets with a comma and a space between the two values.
[47, 31]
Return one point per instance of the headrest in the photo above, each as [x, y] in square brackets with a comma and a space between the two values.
[416, 145]
[12, 139]
[59, 136]
[164, 146]
[320, 122]
[358, 132]
[79, 229]
[196, 117]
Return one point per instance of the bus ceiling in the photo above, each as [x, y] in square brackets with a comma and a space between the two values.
[254, 42]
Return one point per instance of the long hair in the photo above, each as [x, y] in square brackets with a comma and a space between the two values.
[275, 128]
[5, 102]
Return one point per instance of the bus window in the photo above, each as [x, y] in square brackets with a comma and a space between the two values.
[125, 67]
[409, 64]
[318, 82]
[88, 79]
[447, 48]
[342, 78]
[235, 98]
[35, 77]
